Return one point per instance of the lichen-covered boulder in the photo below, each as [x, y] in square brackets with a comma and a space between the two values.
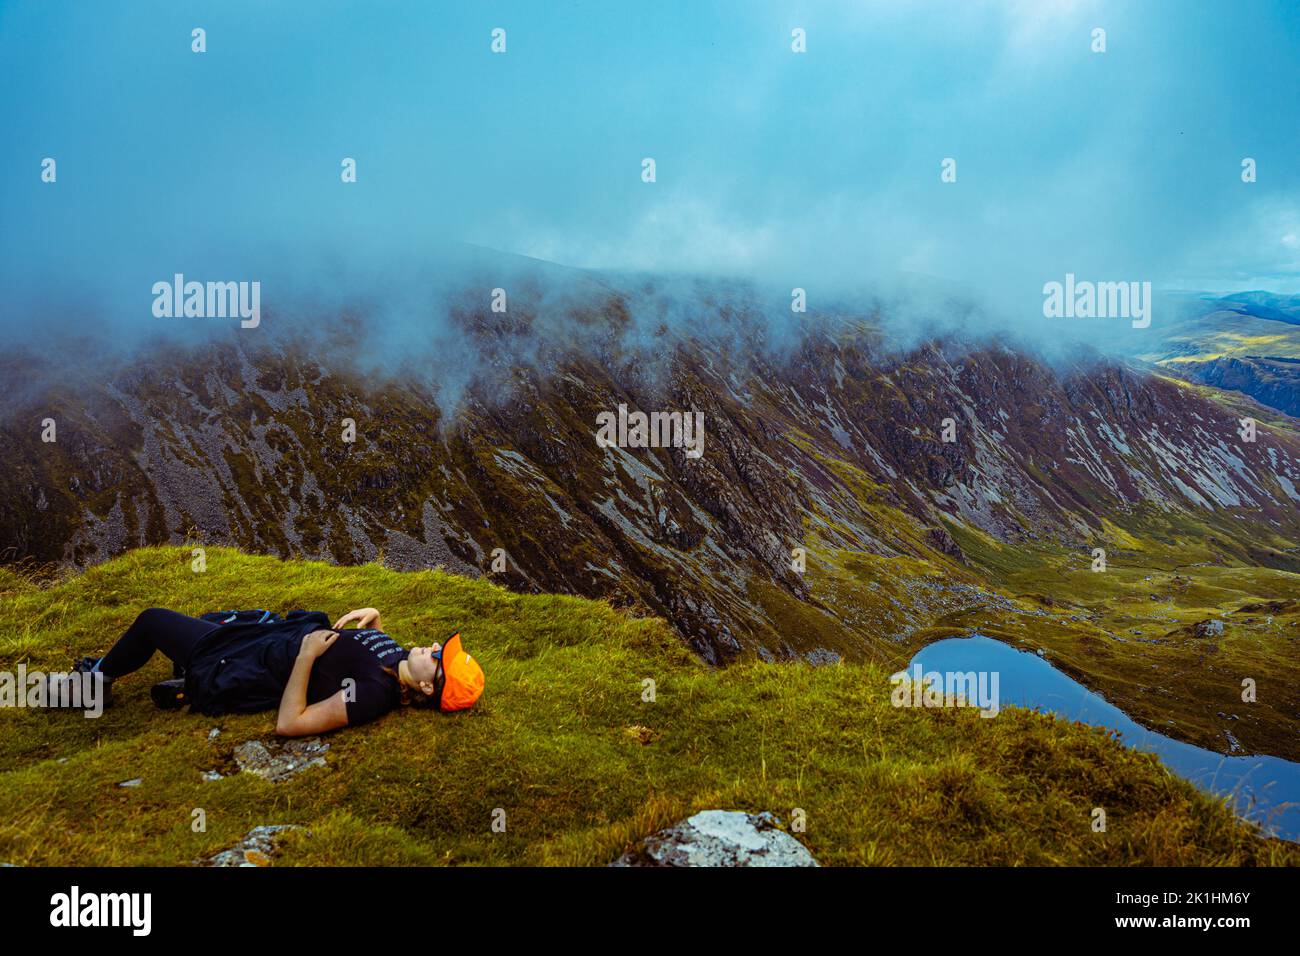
[720, 838]
[278, 761]
[256, 849]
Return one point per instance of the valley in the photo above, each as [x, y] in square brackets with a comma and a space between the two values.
[831, 450]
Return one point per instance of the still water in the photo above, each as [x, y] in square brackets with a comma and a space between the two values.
[1263, 789]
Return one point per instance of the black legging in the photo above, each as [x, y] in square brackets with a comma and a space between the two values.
[156, 629]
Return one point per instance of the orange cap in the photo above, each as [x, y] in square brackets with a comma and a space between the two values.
[462, 678]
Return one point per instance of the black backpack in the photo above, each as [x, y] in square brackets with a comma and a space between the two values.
[242, 665]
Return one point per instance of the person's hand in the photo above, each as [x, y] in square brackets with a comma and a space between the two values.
[317, 643]
[365, 617]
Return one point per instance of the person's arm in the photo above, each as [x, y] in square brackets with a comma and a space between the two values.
[364, 616]
[295, 718]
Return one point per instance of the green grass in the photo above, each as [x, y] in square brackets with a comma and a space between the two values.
[1128, 633]
[562, 742]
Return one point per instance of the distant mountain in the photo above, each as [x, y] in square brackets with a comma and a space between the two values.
[834, 445]
[1271, 380]
[1263, 305]
[1247, 342]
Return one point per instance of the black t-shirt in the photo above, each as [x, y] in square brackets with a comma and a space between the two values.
[359, 656]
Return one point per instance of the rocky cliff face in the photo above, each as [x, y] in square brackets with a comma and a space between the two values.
[836, 447]
[1271, 381]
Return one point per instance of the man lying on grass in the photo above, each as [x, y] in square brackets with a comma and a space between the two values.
[321, 678]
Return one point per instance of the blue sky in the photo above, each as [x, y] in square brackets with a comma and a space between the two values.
[818, 169]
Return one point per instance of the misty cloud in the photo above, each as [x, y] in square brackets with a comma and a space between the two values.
[776, 170]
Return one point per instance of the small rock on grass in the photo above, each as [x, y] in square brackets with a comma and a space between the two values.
[256, 849]
[278, 761]
[720, 838]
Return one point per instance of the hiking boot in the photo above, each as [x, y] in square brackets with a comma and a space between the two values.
[59, 697]
[168, 694]
[86, 665]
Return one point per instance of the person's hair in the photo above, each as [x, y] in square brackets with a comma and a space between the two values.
[414, 698]
[418, 698]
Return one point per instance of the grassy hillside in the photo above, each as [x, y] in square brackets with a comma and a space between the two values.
[1218, 334]
[562, 741]
[1131, 633]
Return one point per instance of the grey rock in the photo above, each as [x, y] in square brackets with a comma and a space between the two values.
[720, 838]
[279, 761]
[255, 849]
[820, 656]
[210, 775]
[1209, 629]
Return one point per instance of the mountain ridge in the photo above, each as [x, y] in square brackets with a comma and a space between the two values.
[829, 450]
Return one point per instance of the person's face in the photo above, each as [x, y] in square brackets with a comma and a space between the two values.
[425, 665]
